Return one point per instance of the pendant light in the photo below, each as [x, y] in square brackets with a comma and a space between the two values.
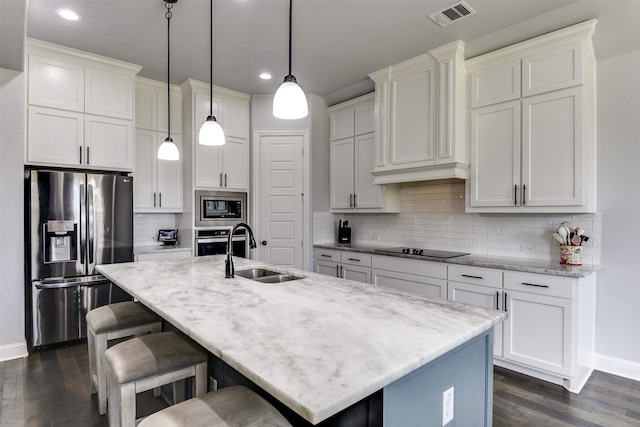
[211, 132]
[168, 149]
[290, 102]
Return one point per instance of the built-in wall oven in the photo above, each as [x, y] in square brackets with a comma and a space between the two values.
[214, 242]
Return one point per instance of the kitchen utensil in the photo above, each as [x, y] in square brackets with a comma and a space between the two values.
[558, 238]
[576, 240]
[562, 232]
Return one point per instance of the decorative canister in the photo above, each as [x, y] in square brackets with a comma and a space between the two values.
[571, 254]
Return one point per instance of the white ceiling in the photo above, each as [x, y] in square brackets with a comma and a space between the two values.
[336, 43]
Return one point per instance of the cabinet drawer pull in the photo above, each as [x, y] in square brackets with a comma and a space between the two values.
[472, 277]
[354, 259]
[534, 284]
[325, 255]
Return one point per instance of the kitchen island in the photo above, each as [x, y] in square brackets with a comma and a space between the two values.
[320, 345]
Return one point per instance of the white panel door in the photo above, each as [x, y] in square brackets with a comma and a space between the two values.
[479, 296]
[539, 331]
[55, 137]
[341, 173]
[280, 214]
[495, 155]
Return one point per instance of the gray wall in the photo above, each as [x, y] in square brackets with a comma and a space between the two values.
[618, 295]
[12, 333]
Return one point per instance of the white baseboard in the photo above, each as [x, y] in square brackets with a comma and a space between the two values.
[13, 351]
[620, 367]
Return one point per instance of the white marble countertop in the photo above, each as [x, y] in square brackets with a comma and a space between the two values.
[319, 344]
[503, 263]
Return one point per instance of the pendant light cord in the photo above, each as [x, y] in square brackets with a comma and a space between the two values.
[168, 5]
[290, 13]
[211, 59]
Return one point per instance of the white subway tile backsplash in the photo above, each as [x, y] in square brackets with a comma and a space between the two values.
[432, 216]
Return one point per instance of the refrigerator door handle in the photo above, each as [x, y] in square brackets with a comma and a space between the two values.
[90, 223]
[83, 231]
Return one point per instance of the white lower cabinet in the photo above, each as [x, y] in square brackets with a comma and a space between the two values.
[550, 331]
[410, 275]
[344, 264]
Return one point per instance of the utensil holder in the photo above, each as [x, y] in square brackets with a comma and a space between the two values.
[571, 254]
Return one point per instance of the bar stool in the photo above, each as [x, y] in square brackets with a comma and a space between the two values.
[147, 362]
[235, 406]
[110, 322]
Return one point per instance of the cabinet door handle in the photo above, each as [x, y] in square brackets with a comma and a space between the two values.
[535, 284]
[341, 273]
[337, 271]
[160, 200]
[505, 302]
[515, 195]
[350, 200]
[497, 300]
[225, 179]
[472, 277]
[154, 199]
[524, 193]
[355, 200]
[87, 155]
[220, 179]
[80, 162]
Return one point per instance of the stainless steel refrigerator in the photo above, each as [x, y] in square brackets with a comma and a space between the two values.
[74, 221]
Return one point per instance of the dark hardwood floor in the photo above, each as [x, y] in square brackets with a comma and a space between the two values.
[51, 388]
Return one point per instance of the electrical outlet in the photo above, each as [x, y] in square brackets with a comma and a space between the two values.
[528, 247]
[447, 406]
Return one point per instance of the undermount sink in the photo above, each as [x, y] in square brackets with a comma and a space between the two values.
[266, 276]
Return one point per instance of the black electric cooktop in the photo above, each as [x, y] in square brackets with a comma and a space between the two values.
[423, 252]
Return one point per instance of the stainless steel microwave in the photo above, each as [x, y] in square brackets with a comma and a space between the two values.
[220, 208]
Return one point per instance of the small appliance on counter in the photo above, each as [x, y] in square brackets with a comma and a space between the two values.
[168, 237]
[344, 232]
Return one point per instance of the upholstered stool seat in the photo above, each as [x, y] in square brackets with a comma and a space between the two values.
[147, 362]
[110, 322]
[228, 407]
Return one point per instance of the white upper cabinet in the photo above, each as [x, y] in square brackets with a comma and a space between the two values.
[533, 136]
[420, 113]
[157, 183]
[223, 167]
[352, 159]
[80, 109]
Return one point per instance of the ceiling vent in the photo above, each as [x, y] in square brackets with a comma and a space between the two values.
[455, 12]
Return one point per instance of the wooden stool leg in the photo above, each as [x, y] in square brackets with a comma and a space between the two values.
[155, 328]
[200, 380]
[91, 344]
[101, 347]
[128, 405]
[114, 402]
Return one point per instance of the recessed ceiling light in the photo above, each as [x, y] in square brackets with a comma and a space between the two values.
[265, 76]
[68, 14]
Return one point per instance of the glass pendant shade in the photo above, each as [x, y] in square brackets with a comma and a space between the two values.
[211, 132]
[290, 102]
[168, 150]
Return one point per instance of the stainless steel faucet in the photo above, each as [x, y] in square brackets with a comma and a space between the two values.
[228, 267]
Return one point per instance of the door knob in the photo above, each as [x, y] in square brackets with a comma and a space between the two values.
[263, 243]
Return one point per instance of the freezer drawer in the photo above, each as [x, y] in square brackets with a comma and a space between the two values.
[55, 314]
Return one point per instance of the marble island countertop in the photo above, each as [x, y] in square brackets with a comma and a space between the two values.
[318, 344]
[502, 263]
